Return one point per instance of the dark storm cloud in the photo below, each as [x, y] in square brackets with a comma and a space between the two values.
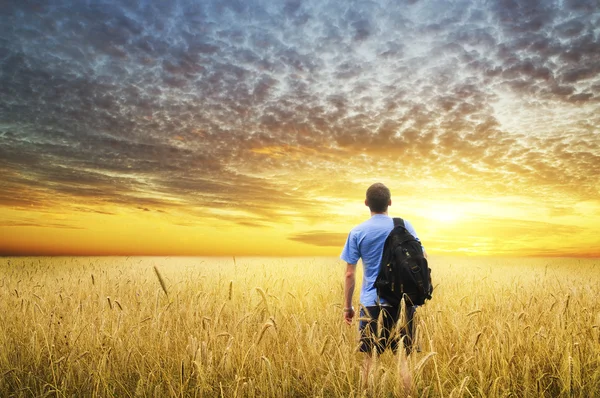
[203, 102]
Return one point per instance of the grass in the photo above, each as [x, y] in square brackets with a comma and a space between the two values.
[260, 327]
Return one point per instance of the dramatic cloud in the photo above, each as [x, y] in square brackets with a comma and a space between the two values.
[321, 238]
[278, 109]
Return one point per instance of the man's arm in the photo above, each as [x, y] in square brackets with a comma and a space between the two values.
[412, 231]
[349, 282]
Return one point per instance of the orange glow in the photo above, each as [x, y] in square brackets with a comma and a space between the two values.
[477, 228]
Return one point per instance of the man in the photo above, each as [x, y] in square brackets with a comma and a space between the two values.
[365, 242]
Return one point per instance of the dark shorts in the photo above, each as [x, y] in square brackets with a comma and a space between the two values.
[379, 329]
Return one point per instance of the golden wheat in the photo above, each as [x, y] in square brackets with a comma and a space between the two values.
[495, 327]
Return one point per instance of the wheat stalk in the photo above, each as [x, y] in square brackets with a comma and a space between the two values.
[263, 330]
[423, 361]
[161, 281]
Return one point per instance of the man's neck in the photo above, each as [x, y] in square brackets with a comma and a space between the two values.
[385, 213]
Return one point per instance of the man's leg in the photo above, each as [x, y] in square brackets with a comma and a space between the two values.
[389, 336]
[408, 329]
[369, 342]
[405, 333]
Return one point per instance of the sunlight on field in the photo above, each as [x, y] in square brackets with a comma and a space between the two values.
[273, 327]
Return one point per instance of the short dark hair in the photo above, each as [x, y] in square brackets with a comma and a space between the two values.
[378, 198]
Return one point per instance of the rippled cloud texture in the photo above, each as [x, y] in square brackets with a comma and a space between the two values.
[274, 115]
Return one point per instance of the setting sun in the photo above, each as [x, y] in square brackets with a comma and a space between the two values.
[444, 213]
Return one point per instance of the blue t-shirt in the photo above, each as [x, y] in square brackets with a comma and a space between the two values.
[365, 241]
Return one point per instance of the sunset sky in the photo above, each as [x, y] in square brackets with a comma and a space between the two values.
[246, 127]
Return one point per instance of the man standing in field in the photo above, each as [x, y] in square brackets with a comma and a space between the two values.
[366, 242]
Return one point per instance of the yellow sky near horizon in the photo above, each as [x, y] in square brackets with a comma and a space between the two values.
[509, 226]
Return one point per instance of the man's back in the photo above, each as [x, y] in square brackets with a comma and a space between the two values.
[365, 242]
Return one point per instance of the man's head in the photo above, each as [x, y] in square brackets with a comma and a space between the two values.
[378, 198]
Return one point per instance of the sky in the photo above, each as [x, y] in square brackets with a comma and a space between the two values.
[237, 127]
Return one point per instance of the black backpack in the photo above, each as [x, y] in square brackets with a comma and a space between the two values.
[404, 271]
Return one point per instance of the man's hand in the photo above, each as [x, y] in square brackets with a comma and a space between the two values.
[348, 315]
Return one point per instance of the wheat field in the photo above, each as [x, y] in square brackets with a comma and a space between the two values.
[272, 327]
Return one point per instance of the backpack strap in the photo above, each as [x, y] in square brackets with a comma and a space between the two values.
[398, 222]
